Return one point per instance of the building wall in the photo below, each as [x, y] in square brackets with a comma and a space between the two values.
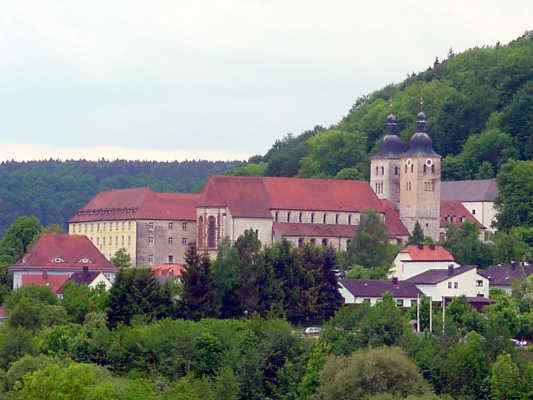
[338, 243]
[420, 194]
[483, 211]
[466, 286]
[349, 298]
[101, 280]
[109, 236]
[403, 268]
[385, 179]
[162, 242]
[331, 217]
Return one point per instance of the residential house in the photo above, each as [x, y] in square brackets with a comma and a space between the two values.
[416, 259]
[502, 276]
[355, 291]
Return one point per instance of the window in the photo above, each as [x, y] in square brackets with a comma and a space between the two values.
[171, 259]
[312, 218]
[289, 216]
[324, 242]
[396, 170]
[313, 241]
[425, 169]
[366, 301]
[116, 240]
[276, 216]
[382, 170]
[104, 240]
[399, 302]
[129, 225]
[433, 169]
[98, 241]
[348, 242]
[449, 285]
[412, 168]
[300, 242]
[170, 225]
[324, 219]
[184, 241]
[151, 226]
[184, 226]
[377, 170]
[405, 168]
[456, 285]
[122, 225]
[337, 218]
[211, 232]
[479, 283]
[300, 218]
[473, 212]
[170, 240]
[151, 240]
[97, 227]
[349, 219]
[151, 259]
[122, 241]
[129, 240]
[104, 226]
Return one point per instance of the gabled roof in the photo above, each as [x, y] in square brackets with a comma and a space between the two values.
[427, 253]
[314, 230]
[470, 190]
[504, 275]
[54, 282]
[59, 251]
[393, 222]
[138, 203]
[454, 212]
[84, 277]
[434, 276]
[377, 288]
[165, 272]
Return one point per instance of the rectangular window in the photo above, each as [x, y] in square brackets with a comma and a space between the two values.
[300, 242]
[479, 283]
[116, 240]
[184, 241]
[150, 259]
[456, 285]
[129, 240]
[122, 241]
[399, 302]
[171, 259]
[97, 227]
[184, 226]
[449, 285]
[367, 301]
[170, 240]
[151, 240]
[170, 225]
[151, 226]
[104, 240]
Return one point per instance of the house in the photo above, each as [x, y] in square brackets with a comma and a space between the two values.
[451, 282]
[455, 213]
[153, 228]
[167, 271]
[54, 258]
[416, 259]
[356, 291]
[92, 279]
[477, 196]
[502, 276]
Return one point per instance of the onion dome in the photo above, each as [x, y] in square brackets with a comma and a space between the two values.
[391, 145]
[421, 144]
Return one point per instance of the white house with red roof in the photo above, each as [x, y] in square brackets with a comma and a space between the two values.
[416, 259]
[54, 258]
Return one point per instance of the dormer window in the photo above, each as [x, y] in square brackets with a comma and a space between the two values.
[58, 260]
[84, 261]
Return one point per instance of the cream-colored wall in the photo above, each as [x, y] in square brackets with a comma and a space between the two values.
[293, 216]
[403, 268]
[467, 286]
[263, 226]
[336, 243]
[483, 211]
[109, 236]
[101, 280]
[384, 182]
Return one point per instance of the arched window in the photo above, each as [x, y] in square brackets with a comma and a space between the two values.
[377, 170]
[382, 170]
[312, 218]
[324, 219]
[433, 169]
[289, 216]
[324, 242]
[412, 168]
[425, 169]
[276, 217]
[337, 218]
[349, 219]
[300, 217]
[211, 232]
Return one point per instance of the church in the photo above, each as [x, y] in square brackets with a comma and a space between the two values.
[404, 188]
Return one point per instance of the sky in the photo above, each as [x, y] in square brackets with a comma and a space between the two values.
[219, 79]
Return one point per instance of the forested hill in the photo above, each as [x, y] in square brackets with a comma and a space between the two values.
[54, 190]
[480, 111]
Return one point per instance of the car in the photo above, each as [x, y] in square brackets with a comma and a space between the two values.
[312, 331]
[519, 343]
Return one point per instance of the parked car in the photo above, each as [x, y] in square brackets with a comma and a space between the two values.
[519, 343]
[312, 331]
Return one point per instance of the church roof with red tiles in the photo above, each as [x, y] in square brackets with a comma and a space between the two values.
[427, 253]
[138, 203]
[393, 222]
[454, 212]
[58, 251]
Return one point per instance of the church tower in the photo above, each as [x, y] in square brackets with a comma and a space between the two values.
[385, 164]
[420, 179]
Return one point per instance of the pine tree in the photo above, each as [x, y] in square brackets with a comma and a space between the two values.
[417, 237]
[121, 259]
[329, 298]
[198, 298]
[370, 247]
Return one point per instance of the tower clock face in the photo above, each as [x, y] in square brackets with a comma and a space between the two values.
[409, 162]
[429, 162]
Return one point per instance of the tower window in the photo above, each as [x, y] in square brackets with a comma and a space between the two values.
[382, 170]
[377, 172]
[412, 168]
[432, 169]
[396, 170]
[425, 169]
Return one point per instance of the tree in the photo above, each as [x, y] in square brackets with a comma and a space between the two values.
[509, 247]
[121, 259]
[370, 247]
[137, 293]
[465, 245]
[329, 299]
[417, 237]
[505, 379]
[225, 273]
[80, 300]
[515, 195]
[198, 298]
[370, 372]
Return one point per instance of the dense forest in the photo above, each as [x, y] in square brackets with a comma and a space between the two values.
[479, 105]
[53, 190]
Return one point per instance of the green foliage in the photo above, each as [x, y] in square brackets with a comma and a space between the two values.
[417, 237]
[466, 246]
[249, 169]
[137, 293]
[121, 259]
[80, 300]
[371, 248]
[505, 379]
[515, 198]
[369, 372]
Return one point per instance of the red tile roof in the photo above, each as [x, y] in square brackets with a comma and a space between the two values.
[434, 276]
[168, 269]
[377, 288]
[394, 224]
[314, 230]
[58, 251]
[54, 282]
[138, 203]
[453, 212]
[3, 313]
[427, 253]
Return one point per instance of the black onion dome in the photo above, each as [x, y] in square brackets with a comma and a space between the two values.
[421, 143]
[391, 145]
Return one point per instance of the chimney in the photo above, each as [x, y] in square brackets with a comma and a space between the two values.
[394, 280]
[45, 274]
[513, 265]
[432, 246]
[85, 268]
[450, 269]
